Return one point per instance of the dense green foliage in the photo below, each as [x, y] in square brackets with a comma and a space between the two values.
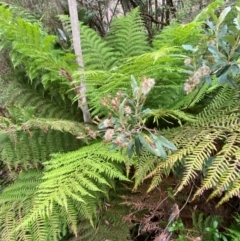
[59, 171]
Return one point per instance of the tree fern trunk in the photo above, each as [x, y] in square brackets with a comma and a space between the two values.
[82, 101]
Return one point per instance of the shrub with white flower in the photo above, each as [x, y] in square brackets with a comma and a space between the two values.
[125, 127]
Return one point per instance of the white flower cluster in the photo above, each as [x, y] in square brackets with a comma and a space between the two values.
[147, 84]
[193, 81]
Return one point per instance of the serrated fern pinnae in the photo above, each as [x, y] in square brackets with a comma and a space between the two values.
[34, 127]
[208, 146]
[70, 187]
[32, 142]
[127, 35]
[97, 53]
[34, 48]
[177, 34]
[22, 95]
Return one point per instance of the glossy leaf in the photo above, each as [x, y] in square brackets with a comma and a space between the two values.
[138, 146]
[130, 149]
[237, 19]
[166, 143]
[188, 47]
[121, 108]
[230, 39]
[223, 15]
[134, 85]
[160, 149]
[148, 143]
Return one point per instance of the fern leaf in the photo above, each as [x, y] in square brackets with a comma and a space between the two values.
[81, 182]
[127, 35]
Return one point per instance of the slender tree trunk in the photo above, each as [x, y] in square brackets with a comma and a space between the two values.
[82, 101]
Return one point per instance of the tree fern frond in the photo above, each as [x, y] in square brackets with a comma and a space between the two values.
[82, 181]
[110, 223]
[144, 165]
[30, 148]
[167, 89]
[196, 160]
[178, 34]
[175, 114]
[224, 169]
[193, 98]
[65, 126]
[58, 196]
[97, 54]
[31, 46]
[233, 190]
[225, 99]
[17, 95]
[127, 35]
[209, 147]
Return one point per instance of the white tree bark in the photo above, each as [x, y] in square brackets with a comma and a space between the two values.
[82, 101]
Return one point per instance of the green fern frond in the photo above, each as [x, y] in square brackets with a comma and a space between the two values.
[97, 54]
[227, 167]
[166, 91]
[197, 95]
[79, 176]
[42, 206]
[127, 35]
[209, 147]
[26, 146]
[144, 165]
[33, 47]
[195, 161]
[71, 127]
[174, 114]
[16, 96]
[15, 203]
[31, 150]
[178, 34]
[225, 100]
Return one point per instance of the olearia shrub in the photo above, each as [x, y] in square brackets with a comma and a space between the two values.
[125, 126]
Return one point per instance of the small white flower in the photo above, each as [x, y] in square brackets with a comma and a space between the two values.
[128, 110]
[147, 84]
[109, 134]
[107, 123]
[187, 61]
[188, 88]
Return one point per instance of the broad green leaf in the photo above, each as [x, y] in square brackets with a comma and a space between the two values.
[121, 108]
[188, 47]
[130, 149]
[211, 25]
[138, 146]
[161, 150]
[235, 70]
[230, 39]
[208, 80]
[134, 85]
[148, 143]
[212, 49]
[223, 15]
[237, 19]
[101, 126]
[146, 112]
[166, 143]
[222, 70]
